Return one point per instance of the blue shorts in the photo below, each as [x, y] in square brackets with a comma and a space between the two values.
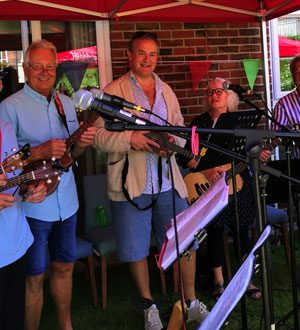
[133, 227]
[52, 240]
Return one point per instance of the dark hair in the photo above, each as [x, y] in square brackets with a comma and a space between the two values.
[293, 62]
[138, 35]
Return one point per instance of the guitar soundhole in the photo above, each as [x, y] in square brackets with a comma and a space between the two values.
[204, 186]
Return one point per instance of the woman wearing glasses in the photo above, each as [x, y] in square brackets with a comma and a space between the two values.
[221, 101]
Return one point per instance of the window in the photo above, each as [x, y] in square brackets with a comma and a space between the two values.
[77, 54]
[285, 44]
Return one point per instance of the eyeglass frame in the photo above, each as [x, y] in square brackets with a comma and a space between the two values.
[40, 68]
[211, 92]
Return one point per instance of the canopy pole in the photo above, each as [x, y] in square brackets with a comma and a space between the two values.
[104, 53]
[265, 61]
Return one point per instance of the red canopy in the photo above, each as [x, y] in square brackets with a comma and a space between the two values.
[147, 10]
[288, 47]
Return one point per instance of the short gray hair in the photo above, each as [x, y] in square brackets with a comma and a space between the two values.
[233, 100]
[44, 44]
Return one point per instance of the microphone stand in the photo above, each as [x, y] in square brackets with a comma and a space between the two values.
[254, 139]
[266, 250]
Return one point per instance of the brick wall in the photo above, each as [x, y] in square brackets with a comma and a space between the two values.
[226, 44]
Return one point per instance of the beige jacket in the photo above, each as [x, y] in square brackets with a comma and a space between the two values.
[117, 145]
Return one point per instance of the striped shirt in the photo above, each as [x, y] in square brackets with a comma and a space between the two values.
[287, 113]
[159, 108]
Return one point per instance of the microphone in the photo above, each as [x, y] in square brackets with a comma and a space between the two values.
[116, 100]
[83, 99]
[237, 89]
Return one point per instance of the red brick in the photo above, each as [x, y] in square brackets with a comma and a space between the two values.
[147, 26]
[211, 33]
[195, 42]
[237, 73]
[228, 33]
[164, 34]
[249, 48]
[240, 40]
[121, 26]
[171, 26]
[183, 34]
[120, 53]
[228, 49]
[171, 43]
[249, 32]
[229, 65]
[183, 51]
[216, 57]
[217, 41]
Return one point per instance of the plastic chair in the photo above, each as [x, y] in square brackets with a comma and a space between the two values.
[84, 253]
[102, 237]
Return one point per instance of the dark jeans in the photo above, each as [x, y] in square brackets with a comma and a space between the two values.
[12, 295]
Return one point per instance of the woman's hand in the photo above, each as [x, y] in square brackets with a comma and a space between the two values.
[213, 174]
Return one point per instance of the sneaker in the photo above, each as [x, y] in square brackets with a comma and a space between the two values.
[197, 313]
[151, 319]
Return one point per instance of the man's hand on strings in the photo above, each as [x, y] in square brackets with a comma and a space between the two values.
[164, 153]
[140, 142]
[53, 148]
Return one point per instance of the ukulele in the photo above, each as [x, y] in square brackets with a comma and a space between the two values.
[197, 183]
[45, 172]
[162, 139]
[66, 160]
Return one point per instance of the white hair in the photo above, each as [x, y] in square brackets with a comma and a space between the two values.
[44, 44]
[233, 99]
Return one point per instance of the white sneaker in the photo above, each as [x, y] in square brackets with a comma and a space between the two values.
[151, 319]
[197, 313]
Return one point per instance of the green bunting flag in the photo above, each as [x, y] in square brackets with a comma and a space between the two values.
[251, 67]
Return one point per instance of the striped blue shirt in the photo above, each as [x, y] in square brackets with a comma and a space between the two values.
[159, 108]
[287, 113]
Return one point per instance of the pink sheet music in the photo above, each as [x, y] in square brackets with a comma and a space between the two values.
[192, 220]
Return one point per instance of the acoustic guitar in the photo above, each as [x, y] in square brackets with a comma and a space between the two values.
[197, 183]
[66, 160]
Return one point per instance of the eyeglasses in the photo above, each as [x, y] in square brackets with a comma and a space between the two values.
[218, 91]
[38, 68]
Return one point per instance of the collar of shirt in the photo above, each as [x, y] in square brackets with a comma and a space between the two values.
[39, 97]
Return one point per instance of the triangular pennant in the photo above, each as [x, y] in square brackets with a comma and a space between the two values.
[75, 72]
[199, 69]
[251, 67]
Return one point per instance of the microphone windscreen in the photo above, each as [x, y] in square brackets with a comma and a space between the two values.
[82, 99]
[97, 93]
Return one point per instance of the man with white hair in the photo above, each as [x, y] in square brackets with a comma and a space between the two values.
[45, 119]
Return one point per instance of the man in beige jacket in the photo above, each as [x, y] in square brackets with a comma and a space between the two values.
[142, 202]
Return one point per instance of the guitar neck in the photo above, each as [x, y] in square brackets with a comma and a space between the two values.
[74, 137]
[240, 167]
[17, 180]
[163, 141]
[271, 146]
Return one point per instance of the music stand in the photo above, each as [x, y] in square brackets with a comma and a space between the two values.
[229, 120]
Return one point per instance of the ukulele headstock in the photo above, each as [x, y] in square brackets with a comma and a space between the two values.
[16, 160]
